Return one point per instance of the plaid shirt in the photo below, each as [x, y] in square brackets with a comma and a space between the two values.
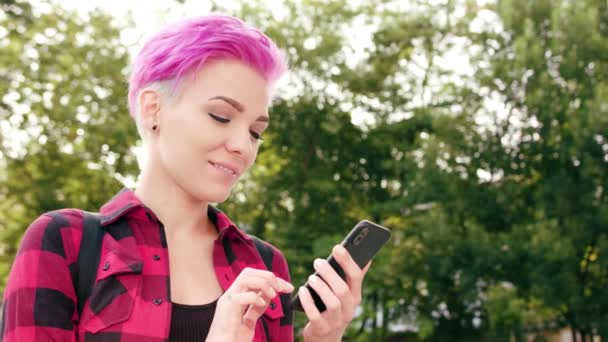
[130, 300]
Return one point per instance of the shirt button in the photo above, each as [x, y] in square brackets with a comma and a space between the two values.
[156, 257]
[273, 305]
[106, 266]
[157, 301]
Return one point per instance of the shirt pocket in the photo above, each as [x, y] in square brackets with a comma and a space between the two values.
[114, 294]
[271, 319]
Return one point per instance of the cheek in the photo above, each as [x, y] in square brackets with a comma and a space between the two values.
[179, 146]
[184, 132]
[176, 153]
[254, 156]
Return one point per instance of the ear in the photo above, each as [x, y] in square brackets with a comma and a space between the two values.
[149, 103]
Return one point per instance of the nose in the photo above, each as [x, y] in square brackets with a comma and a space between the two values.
[240, 141]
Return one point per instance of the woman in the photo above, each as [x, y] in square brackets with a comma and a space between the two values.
[172, 267]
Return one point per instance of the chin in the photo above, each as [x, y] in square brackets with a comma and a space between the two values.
[212, 195]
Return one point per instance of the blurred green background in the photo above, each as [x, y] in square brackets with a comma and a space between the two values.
[477, 131]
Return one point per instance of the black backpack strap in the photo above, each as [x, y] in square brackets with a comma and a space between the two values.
[265, 252]
[265, 326]
[88, 257]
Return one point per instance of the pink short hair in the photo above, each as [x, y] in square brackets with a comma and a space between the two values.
[186, 46]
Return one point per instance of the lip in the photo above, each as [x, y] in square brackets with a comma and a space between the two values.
[232, 167]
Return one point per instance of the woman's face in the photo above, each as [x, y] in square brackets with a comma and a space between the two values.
[208, 135]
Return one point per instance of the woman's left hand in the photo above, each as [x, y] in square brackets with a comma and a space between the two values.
[340, 297]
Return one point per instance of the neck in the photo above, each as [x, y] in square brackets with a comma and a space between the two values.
[181, 213]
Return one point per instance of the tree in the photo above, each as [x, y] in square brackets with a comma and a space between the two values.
[475, 131]
[508, 160]
[66, 130]
[552, 83]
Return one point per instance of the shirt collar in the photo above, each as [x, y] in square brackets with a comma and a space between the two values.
[125, 201]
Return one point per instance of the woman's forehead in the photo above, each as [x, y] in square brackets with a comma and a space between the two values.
[230, 79]
[226, 83]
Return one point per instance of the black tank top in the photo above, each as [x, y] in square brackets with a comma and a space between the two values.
[191, 322]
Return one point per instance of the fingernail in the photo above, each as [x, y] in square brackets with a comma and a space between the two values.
[312, 279]
[288, 286]
[340, 250]
[285, 285]
[318, 262]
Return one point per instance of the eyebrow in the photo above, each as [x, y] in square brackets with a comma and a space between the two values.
[238, 106]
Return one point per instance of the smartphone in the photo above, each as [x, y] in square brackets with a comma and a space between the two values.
[362, 243]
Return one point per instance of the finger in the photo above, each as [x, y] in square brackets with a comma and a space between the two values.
[258, 281]
[277, 283]
[286, 287]
[252, 273]
[253, 312]
[354, 273]
[241, 301]
[311, 311]
[255, 283]
[366, 268]
[245, 298]
[337, 285]
[331, 301]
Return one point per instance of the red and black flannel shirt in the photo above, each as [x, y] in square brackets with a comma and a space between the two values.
[130, 300]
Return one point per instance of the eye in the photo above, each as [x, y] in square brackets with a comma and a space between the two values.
[256, 135]
[218, 118]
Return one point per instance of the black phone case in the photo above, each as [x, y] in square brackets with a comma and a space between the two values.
[362, 243]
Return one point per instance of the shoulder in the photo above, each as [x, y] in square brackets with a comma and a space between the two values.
[54, 231]
[273, 257]
[48, 247]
